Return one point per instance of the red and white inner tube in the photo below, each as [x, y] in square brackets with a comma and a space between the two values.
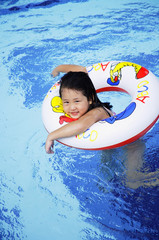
[123, 128]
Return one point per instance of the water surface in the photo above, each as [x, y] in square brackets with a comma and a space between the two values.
[74, 194]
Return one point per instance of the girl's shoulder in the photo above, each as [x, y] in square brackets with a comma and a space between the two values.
[99, 113]
[109, 112]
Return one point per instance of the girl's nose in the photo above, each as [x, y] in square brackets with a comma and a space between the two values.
[72, 107]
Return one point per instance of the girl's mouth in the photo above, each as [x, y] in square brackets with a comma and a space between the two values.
[74, 114]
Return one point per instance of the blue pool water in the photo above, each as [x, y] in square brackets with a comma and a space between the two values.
[73, 194]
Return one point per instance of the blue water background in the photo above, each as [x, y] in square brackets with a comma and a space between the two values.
[73, 194]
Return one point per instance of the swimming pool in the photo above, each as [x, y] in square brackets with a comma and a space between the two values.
[74, 194]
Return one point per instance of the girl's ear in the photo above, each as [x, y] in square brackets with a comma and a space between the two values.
[90, 101]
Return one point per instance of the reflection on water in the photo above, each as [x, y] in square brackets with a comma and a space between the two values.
[135, 188]
[137, 174]
[116, 187]
[130, 163]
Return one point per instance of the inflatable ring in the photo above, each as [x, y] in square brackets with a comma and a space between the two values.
[125, 127]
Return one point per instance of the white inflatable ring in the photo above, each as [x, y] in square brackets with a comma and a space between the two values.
[121, 129]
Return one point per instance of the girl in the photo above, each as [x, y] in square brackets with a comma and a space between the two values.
[80, 102]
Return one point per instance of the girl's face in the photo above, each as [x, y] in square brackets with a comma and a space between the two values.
[75, 104]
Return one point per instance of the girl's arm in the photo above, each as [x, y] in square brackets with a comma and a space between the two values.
[76, 127]
[64, 68]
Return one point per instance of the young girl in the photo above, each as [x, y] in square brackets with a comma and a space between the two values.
[80, 102]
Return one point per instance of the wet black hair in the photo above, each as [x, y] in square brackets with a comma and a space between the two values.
[80, 81]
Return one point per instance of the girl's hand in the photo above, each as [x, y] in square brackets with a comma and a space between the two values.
[55, 72]
[49, 146]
